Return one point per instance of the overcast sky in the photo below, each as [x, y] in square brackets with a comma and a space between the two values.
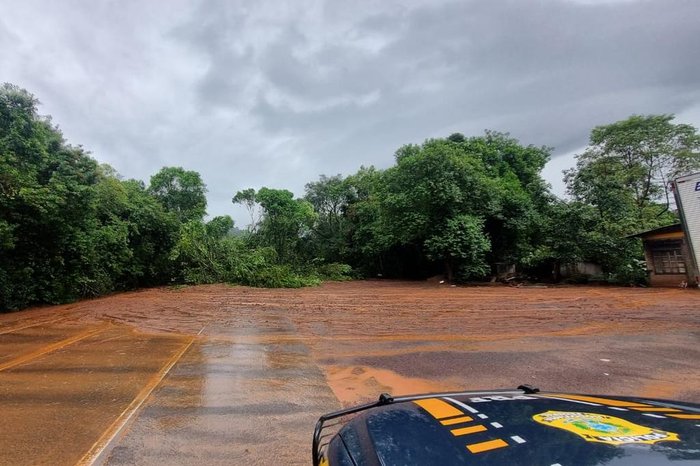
[271, 93]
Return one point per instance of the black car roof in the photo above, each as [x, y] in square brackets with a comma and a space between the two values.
[514, 427]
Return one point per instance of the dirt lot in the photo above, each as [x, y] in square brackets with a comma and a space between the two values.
[232, 375]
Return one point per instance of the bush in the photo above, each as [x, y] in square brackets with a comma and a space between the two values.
[335, 271]
[633, 272]
[203, 258]
[576, 279]
[279, 276]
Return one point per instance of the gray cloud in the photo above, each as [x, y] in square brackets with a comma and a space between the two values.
[267, 93]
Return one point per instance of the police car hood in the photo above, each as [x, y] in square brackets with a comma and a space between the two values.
[512, 428]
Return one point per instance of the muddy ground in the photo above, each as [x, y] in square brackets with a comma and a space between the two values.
[233, 375]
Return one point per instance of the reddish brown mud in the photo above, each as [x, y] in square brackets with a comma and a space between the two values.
[231, 375]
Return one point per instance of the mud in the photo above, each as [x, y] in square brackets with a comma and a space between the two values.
[234, 375]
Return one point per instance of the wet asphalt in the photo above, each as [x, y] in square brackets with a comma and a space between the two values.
[233, 375]
[231, 402]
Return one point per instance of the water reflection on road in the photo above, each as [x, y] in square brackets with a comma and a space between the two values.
[234, 398]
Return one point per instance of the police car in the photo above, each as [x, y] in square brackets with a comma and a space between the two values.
[521, 427]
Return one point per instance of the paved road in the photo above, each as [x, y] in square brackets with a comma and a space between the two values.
[233, 375]
[232, 399]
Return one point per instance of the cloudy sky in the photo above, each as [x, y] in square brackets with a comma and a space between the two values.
[272, 93]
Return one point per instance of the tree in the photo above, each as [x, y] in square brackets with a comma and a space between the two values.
[285, 221]
[248, 200]
[369, 239]
[626, 169]
[520, 194]
[430, 185]
[153, 232]
[621, 183]
[456, 137]
[491, 182]
[330, 198]
[568, 235]
[220, 226]
[46, 208]
[180, 191]
[70, 228]
[601, 183]
[461, 243]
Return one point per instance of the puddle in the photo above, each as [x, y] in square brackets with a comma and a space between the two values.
[360, 384]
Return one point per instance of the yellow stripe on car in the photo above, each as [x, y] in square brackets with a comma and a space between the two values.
[486, 446]
[468, 430]
[438, 409]
[456, 420]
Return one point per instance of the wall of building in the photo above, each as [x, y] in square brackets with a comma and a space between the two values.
[665, 280]
[581, 268]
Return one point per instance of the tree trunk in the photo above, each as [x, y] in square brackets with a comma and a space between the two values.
[557, 271]
[448, 270]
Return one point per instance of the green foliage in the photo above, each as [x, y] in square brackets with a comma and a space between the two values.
[50, 235]
[70, 228]
[632, 272]
[285, 222]
[626, 170]
[622, 180]
[220, 226]
[180, 191]
[368, 239]
[281, 276]
[203, 256]
[330, 198]
[567, 234]
[335, 271]
[461, 241]
[247, 198]
[206, 257]
[436, 187]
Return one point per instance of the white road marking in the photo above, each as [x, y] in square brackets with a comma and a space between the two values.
[102, 447]
[483, 416]
[459, 403]
[654, 415]
[518, 439]
[496, 425]
[33, 324]
[617, 409]
[571, 401]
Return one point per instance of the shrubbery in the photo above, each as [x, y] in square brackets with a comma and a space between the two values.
[335, 271]
[70, 228]
[463, 206]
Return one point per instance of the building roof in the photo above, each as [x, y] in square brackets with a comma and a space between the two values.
[675, 228]
[685, 178]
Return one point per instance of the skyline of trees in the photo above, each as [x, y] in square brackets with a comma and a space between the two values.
[458, 206]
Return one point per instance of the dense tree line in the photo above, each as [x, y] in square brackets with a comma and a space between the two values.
[458, 206]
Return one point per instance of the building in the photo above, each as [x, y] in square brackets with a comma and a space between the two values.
[667, 256]
[686, 192]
